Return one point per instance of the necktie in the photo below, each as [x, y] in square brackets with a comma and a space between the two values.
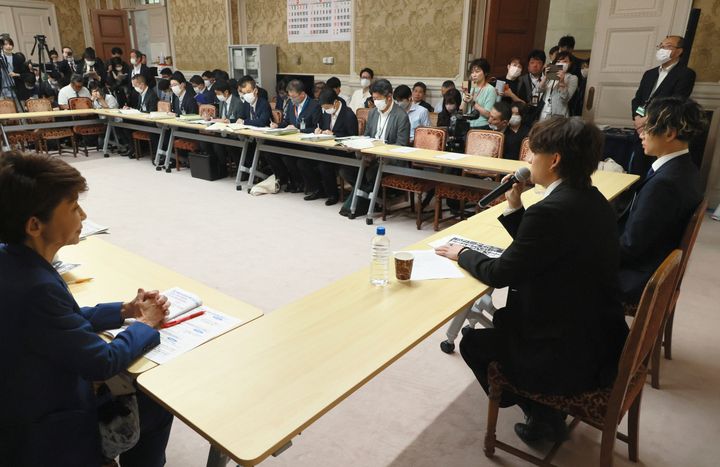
[650, 173]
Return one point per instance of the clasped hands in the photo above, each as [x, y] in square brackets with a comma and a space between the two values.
[149, 307]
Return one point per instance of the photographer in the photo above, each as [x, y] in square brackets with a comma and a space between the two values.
[14, 66]
[559, 86]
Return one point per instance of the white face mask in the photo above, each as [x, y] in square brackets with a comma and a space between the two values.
[138, 90]
[221, 97]
[515, 120]
[513, 72]
[52, 82]
[404, 105]
[133, 61]
[564, 65]
[329, 111]
[90, 62]
[207, 83]
[249, 98]
[663, 55]
[493, 127]
[364, 83]
[197, 90]
[584, 72]
[380, 104]
[176, 90]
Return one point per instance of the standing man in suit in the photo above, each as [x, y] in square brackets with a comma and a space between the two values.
[137, 67]
[321, 177]
[387, 122]
[143, 99]
[563, 329]
[671, 78]
[655, 221]
[67, 66]
[304, 114]
[92, 68]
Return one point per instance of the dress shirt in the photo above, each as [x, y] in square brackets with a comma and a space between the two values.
[333, 117]
[226, 106]
[662, 74]
[418, 116]
[136, 70]
[67, 93]
[358, 99]
[381, 130]
[662, 160]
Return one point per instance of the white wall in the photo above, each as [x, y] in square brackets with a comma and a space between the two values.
[573, 17]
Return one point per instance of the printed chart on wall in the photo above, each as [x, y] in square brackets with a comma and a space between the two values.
[319, 20]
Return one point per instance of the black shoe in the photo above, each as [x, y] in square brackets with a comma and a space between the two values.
[244, 177]
[313, 196]
[543, 423]
[344, 212]
[466, 329]
[297, 189]
[533, 431]
[447, 347]
[330, 201]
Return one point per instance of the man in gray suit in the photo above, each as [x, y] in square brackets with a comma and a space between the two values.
[388, 122]
[228, 112]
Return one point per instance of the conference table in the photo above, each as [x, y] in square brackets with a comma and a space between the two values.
[25, 123]
[283, 372]
[117, 274]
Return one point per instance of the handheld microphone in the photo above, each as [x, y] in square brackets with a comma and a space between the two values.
[522, 174]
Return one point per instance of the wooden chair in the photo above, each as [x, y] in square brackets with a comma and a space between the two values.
[277, 116]
[425, 138]
[15, 138]
[361, 126]
[477, 142]
[525, 153]
[85, 130]
[140, 136]
[362, 113]
[49, 134]
[433, 118]
[602, 408]
[207, 111]
[665, 340]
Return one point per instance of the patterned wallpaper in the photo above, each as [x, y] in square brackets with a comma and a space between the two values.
[200, 34]
[408, 37]
[69, 25]
[266, 23]
[235, 23]
[705, 59]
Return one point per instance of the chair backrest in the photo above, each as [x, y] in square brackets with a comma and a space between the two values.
[7, 106]
[277, 116]
[164, 106]
[77, 103]
[525, 152]
[430, 138]
[361, 126]
[362, 112]
[484, 143]
[207, 111]
[433, 118]
[688, 242]
[40, 105]
[646, 327]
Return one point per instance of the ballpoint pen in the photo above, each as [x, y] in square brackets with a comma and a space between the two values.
[175, 322]
[80, 281]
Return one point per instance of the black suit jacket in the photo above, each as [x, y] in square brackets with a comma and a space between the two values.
[655, 222]
[261, 116]
[147, 73]
[148, 104]
[233, 111]
[66, 70]
[346, 123]
[310, 114]
[563, 325]
[679, 82]
[188, 105]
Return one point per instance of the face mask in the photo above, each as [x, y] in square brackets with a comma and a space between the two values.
[564, 66]
[138, 89]
[118, 69]
[90, 62]
[175, 90]
[404, 105]
[197, 90]
[52, 82]
[584, 72]
[451, 108]
[515, 120]
[29, 88]
[380, 104]
[364, 83]
[249, 98]
[513, 72]
[662, 55]
[207, 83]
[493, 127]
[329, 111]
[133, 61]
[221, 97]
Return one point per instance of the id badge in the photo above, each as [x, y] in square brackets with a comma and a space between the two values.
[534, 100]
[640, 111]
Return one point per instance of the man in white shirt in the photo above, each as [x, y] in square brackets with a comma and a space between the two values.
[359, 97]
[417, 114]
[74, 89]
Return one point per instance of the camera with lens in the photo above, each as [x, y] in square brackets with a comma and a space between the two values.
[458, 129]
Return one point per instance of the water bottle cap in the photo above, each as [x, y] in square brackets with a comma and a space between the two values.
[380, 231]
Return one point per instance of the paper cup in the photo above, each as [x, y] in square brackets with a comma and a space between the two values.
[403, 265]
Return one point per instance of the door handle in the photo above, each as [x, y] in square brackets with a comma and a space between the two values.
[590, 98]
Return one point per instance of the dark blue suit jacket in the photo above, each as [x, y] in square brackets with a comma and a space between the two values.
[346, 123]
[311, 112]
[188, 105]
[261, 116]
[654, 224]
[51, 354]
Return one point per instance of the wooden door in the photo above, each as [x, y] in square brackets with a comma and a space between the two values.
[7, 23]
[626, 35]
[28, 23]
[110, 29]
[509, 32]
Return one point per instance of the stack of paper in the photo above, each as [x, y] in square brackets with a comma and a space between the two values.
[404, 150]
[314, 137]
[362, 142]
[488, 250]
[63, 268]
[429, 265]
[129, 111]
[91, 228]
[161, 115]
[451, 156]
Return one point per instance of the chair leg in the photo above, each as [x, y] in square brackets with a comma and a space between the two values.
[384, 201]
[85, 148]
[436, 218]
[655, 365]
[59, 147]
[633, 428]
[418, 207]
[74, 145]
[492, 416]
[668, 335]
[177, 160]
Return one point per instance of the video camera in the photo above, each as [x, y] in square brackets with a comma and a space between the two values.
[457, 130]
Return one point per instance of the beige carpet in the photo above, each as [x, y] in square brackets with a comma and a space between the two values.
[426, 409]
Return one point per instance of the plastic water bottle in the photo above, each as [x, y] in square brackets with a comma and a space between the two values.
[380, 258]
[302, 124]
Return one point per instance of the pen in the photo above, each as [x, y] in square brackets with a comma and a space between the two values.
[172, 323]
[80, 281]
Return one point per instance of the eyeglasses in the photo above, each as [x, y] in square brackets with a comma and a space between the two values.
[666, 47]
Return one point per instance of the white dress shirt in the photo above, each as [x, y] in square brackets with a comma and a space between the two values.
[662, 74]
[382, 123]
[66, 93]
[357, 101]
[662, 160]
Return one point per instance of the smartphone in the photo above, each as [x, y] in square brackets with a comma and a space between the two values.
[552, 71]
[466, 87]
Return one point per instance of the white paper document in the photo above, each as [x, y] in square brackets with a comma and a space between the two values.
[129, 111]
[488, 250]
[177, 340]
[314, 137]
[404, 150]
[451, 156]
[359, 143]
[181, 301]
[91, 228]
[63, 268]
[429, 265]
